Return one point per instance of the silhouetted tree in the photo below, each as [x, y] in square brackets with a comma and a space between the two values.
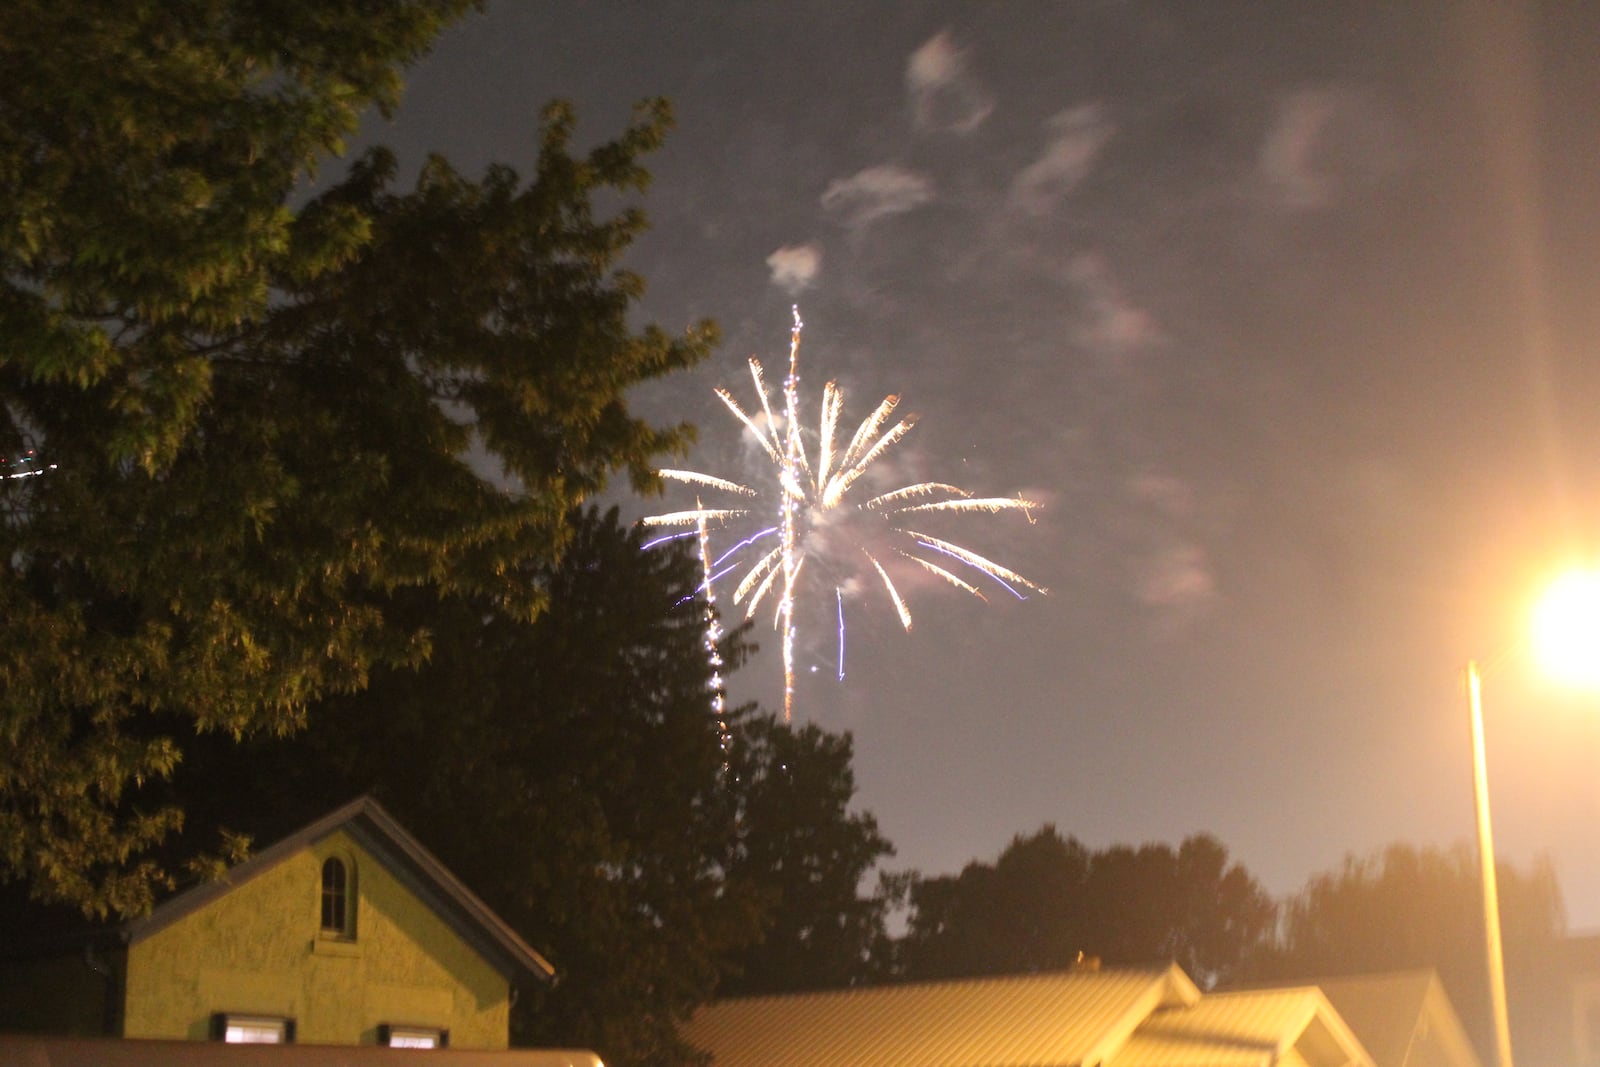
[807, 855]
[571, 771]
[269, 417]
[1408, 907]
[1022, 913]
[568, 769]
[1047, 901]
[1190, 906]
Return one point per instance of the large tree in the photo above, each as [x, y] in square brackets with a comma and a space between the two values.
[1190, 905]
[572, 770]
[261, 421]
[1047, 902]
[568, 769]
[1020, 913]
[1408, 907]
[806, 855]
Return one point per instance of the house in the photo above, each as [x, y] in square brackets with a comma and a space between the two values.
[1083, 1018]
[1264, 1028]
[1554, 992]
[348, 932]
[1404, 1019]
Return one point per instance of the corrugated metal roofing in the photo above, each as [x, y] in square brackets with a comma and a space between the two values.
[1254, 1029]
[1049, 1020]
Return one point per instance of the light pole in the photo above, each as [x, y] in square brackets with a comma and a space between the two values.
[1491, 892]
[1566, 636]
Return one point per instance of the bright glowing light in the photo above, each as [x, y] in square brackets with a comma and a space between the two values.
[811, 499]
[714, 644]
[25, 466]
[838, 596]
[1566, 629]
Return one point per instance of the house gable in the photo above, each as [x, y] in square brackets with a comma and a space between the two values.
[341, 933]
[1404, 1018]
[375, 830]
[259, 949]
[1291, 1027]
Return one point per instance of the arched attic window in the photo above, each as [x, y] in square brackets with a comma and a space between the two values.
[338, 898]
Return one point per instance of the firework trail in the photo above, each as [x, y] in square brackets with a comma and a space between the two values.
[809, 494]
[713, 642]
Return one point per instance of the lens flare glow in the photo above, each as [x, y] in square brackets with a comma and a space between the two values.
[1566, 629]
[812, 496]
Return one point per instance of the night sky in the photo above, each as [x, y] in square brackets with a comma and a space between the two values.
[1287, 314]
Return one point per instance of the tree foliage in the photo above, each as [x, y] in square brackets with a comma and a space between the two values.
[1408, 907]
[1048, 902]
[806, 856]
[571, 771]
[266, 422]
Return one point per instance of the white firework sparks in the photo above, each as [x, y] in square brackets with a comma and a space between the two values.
[811, 494]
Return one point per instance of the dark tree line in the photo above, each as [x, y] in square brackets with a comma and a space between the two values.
[1048, 902]
[1408, 907]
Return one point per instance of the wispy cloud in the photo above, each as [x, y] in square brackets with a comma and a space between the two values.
[1169, 495]
[945, 96]
[1111, 322]
[874, 193]
[1173, 572]
[1324, 141]
[1177, 578]
[794, 267]
[1289, 156]
[1077, 136]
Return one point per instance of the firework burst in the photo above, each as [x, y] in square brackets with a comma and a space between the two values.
[813, 493]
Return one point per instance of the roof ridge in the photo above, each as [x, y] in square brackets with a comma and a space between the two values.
[1147, 972]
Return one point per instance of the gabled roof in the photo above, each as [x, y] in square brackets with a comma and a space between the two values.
[1044, 1020]
[1257, 1029]
[376, 831]
[1392, 1013]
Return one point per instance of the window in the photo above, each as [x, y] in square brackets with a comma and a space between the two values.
[413, 1036]
[338, 899]
[235, 1029]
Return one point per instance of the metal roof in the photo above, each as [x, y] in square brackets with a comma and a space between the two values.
[1045, 1020]
[1256, 1029]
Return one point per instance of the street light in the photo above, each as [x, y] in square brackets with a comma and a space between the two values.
[1491, 893]
[1566, 629]
[1566, 641]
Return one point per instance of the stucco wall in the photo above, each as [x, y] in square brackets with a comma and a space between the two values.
[258, 950]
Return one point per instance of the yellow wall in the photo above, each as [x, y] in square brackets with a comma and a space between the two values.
[258, 950]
